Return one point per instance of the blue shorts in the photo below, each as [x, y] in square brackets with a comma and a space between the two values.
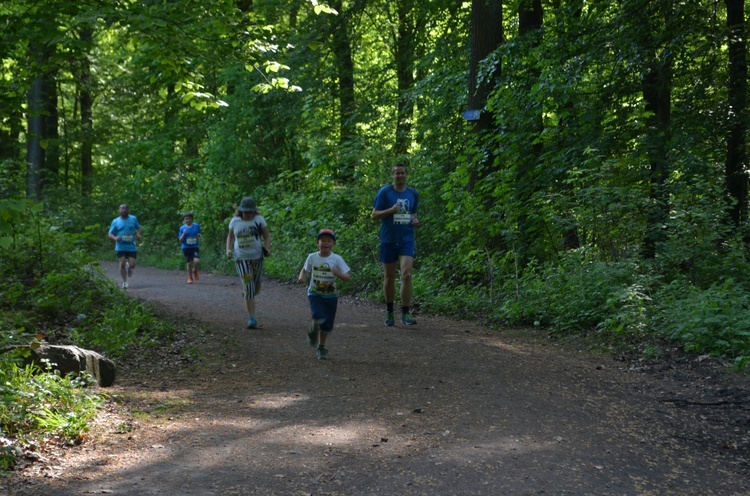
[323, 311]
[191, 253]
[389, 252]
[127, 254]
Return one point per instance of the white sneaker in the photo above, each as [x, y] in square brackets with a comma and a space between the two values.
[127, 267]
[125, 285]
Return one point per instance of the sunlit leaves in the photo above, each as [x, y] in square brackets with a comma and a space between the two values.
[273, 83]
[322, 8]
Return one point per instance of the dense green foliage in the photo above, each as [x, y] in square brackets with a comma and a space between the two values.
[52, 291]
[600, 198]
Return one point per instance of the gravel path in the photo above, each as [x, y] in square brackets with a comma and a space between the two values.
[441, 408]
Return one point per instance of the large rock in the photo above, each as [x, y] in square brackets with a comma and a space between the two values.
[69, 359]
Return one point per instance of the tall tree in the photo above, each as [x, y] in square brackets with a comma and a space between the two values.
[486, 36]
[344, 64]
[657, 95]
[41, 119]
[530, 23]
[736, 158]
[84, 83]
[409, 27]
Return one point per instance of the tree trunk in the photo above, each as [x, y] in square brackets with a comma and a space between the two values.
[404, 60]
[86, 100]
[657, 94]
[530, 22]
[486, 36]
[35, 131]
[344, 64]
[736, 159]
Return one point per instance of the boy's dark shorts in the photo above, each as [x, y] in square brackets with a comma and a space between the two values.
[127, 254]
[323, 311]
[191, 253]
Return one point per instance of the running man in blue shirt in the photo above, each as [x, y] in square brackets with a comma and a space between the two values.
[188, 235]
[124, 231]
[395, 207]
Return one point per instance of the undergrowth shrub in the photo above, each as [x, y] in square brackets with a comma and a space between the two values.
[573, 295]
[41, 405]
[713, 321]
[50, 289]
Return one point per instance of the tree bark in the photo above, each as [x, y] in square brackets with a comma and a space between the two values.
[35, 131]
[87, 121]
[404, 59]
[344, 64]
[486, 36]
[736, 158]
[530, 23]
[657, 94]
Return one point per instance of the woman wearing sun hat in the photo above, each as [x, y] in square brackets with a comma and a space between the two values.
[248, 242]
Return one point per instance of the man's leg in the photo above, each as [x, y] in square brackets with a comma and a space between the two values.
[389, 282]
[123, 268]
[389, 290]
[407, 285]
[131, 266]
[407, 288]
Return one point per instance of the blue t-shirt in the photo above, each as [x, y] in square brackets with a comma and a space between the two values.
[191, 235]
[125, 229]
[397, 228]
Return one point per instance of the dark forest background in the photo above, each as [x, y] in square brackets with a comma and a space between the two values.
[582, 165]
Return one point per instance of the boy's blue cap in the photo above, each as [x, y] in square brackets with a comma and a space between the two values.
[326, 232]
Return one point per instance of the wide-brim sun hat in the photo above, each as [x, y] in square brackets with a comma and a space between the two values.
[247, 205]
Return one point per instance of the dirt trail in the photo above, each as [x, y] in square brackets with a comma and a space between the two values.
[441, 408]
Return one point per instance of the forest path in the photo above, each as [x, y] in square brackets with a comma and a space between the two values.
[441, 408]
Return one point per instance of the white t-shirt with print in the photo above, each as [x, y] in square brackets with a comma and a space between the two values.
[322, 280]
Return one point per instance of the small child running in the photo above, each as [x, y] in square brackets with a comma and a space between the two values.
[324, 267]
[189, 234]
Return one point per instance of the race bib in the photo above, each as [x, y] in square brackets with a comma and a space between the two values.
[402, 219]
[127, 238]
[245, 242]
[323, 279]
[191, 240]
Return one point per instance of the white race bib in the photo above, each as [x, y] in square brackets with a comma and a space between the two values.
[402, 219]
[245, 242]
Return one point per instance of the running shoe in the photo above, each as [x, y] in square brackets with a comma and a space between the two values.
[252, 323]
[408, 319]
[129, 270]
[125, 285]
[312, 335]
[389, 319]
[322, 353]
[190, 280]
[195, 274]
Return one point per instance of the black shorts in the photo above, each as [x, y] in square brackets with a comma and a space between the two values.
[191, 253]
[126, 254]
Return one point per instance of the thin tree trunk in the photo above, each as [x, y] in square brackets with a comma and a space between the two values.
[485, 37]
[404, 59]
[345, 74]
[736, 159]
[657, 94]
[35, 131]
[86, 100]
[530, 23]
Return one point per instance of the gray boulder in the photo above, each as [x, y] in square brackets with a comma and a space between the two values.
[69, 359]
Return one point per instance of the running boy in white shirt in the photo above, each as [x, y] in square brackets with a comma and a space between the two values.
[324, 267]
